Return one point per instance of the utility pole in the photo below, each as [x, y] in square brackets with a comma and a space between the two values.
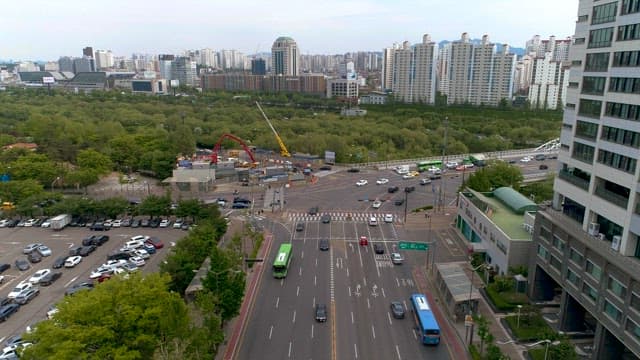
[441, 196]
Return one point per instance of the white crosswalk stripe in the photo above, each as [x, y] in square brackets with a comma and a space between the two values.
[340, 216]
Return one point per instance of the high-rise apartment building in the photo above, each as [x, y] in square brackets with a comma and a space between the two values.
[414, 72]
[285, 57]
[478, 74]
[258, 67]
[559, 49]
[522, 75]
[65, 63]
[587, 244]
[387, 67]
[87, 51]
[184, 70]
[549, 83]
[104, 59]
[83, 64]
[164, 66]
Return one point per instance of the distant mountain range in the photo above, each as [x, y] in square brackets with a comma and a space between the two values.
[514, 50]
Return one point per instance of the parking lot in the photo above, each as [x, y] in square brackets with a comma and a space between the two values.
[13, 241]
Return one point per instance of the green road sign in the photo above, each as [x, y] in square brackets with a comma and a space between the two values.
[410, 245]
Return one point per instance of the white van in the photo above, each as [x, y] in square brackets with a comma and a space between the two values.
[373, 221]
[134, 244]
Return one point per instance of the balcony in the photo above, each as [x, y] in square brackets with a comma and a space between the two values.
[611, 197]
[574, 180]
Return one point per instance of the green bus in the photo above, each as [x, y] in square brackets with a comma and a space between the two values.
[281, 263]
[426, 165]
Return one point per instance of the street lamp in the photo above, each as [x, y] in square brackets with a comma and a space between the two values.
[547, 342]
[518, 318]
[473, 271]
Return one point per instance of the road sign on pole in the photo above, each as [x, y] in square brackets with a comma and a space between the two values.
[411, 245]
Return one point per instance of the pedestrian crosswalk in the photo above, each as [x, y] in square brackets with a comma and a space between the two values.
[383, 260]
[342, 216]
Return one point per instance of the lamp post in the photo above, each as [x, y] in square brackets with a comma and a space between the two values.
[473, 271]
[518, 318]
[54, 181]
[547, 342]
[444, 152]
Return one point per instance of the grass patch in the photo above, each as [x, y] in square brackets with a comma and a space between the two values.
[424, 208]
[475, 354]
[257, 243]
[532, 327]
[505, 301]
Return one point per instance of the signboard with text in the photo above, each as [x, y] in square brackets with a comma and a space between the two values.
[412, 245]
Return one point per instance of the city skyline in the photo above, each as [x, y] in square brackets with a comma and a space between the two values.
[41, 31]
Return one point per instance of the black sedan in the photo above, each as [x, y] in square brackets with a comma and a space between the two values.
[4, 267]
[397, 310]
[8, 310]
[50, 278]
[59, 262]
[22, 264]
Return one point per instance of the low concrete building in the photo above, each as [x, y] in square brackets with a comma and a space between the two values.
[196, 178]
[498, 224]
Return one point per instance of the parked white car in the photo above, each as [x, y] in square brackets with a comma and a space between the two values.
[164, 223]
[38, 275]
[25, 285]
[137, 261]
[361, 182]
[101, 271]
[72, 261]
[388, 218]
[382, 181]
[376, 204]
[142, 253]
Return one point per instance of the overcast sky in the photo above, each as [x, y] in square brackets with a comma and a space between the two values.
[46, 29]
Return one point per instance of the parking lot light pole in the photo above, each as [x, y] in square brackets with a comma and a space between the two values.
[518, 318]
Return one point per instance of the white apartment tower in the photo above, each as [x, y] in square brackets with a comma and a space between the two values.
[549, 83]
[586, 246]
[442, 68]
[479, 75]
[413, 72]
[523, 74]
[285, 57]
[104, 59]
[387, 67]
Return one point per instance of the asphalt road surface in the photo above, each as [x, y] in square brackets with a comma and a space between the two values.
[13, 240]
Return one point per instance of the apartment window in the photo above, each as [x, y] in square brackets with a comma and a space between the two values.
[583, 18]
[572, 277]
[624, 85]
[597, 62]
[542, 252]
[578, 41]
[628, 32]
[590, 108]
[604, 13]
[616, 287]
[567, 126]
[576, 256]
[593, 85]
[558, 243]
[590, 292]
[600, 38]
[635, 302]
[633, 329]
[621, 136]
[594, 270]
[622, 111]
[617, 161]
[630, 7]
[626, 59]
[545, 233]
[585, 129]
[583, 152]
[576, 63]
[555, 263]
[612, 311]
[570, 105]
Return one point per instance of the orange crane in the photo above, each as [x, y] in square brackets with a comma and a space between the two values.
[283, 148]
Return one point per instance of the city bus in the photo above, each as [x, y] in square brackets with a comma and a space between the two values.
[426, 165]
[281, 263]
[425, 320]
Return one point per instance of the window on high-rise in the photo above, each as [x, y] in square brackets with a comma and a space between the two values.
[593, 85]
[604, 13]
[594, 270]
[612, 311]
[617, 161]
[582, 152]
[586, 130]
[628, 32]
[616, 287]
[590, 292]
[624, 85]
[630, 7]
[600, 38]
[622, 111]
[626, 59]
[621, 136]
[590, 108]
[633, 328]
[572, 277]
[597, 62]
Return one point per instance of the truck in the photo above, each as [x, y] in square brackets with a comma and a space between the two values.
[60, 221]
[478, 160]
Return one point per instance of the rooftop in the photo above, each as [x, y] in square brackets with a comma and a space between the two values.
[509, 221]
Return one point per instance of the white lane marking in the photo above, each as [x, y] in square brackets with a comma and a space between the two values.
[300, 272]
[389, 317]
[316, 262]
[373, 331]
[331, 278]
[398, 352]
[365, 281]
[315, 281]
[347, 272]
[355, 350]
[405, 304]
[70, 282]
[281, 282]
[382, 289]
[294, 316]
[277, 302]
[298, 291]
[397, 282]
[414, 333]
[368, 304]
[312, 331]
[302, 255]
[314, 301]
[349, 287]
[352, 320]
[290, 348]
[270, 332]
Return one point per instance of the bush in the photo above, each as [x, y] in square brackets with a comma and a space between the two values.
[505, 301]
[532, 330]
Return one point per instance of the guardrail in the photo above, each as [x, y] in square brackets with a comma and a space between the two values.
[488, 156]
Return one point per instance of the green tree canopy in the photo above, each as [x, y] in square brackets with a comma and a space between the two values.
[120, 319]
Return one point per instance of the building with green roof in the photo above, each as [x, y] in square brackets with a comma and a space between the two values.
[498, 224]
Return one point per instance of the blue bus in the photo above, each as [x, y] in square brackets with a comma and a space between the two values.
[425, 320]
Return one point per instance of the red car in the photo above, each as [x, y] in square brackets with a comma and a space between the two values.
[364, 241]
[155, 242]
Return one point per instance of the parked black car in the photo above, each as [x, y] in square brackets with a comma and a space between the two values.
[50, 278]
[12, 223]
[4, 267]
[313, 211]
[409, 189]
[119, 256]
[353, 170]
[135, 223]
[393, 189]
[22, 264]
[75, 251]
[79, 287]
[99, 226]
[86, 250]
[34, 257]
[96, 240]
[154, 223]
[8, 310]
[398, 202]
[59, 262]
[144, 223]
